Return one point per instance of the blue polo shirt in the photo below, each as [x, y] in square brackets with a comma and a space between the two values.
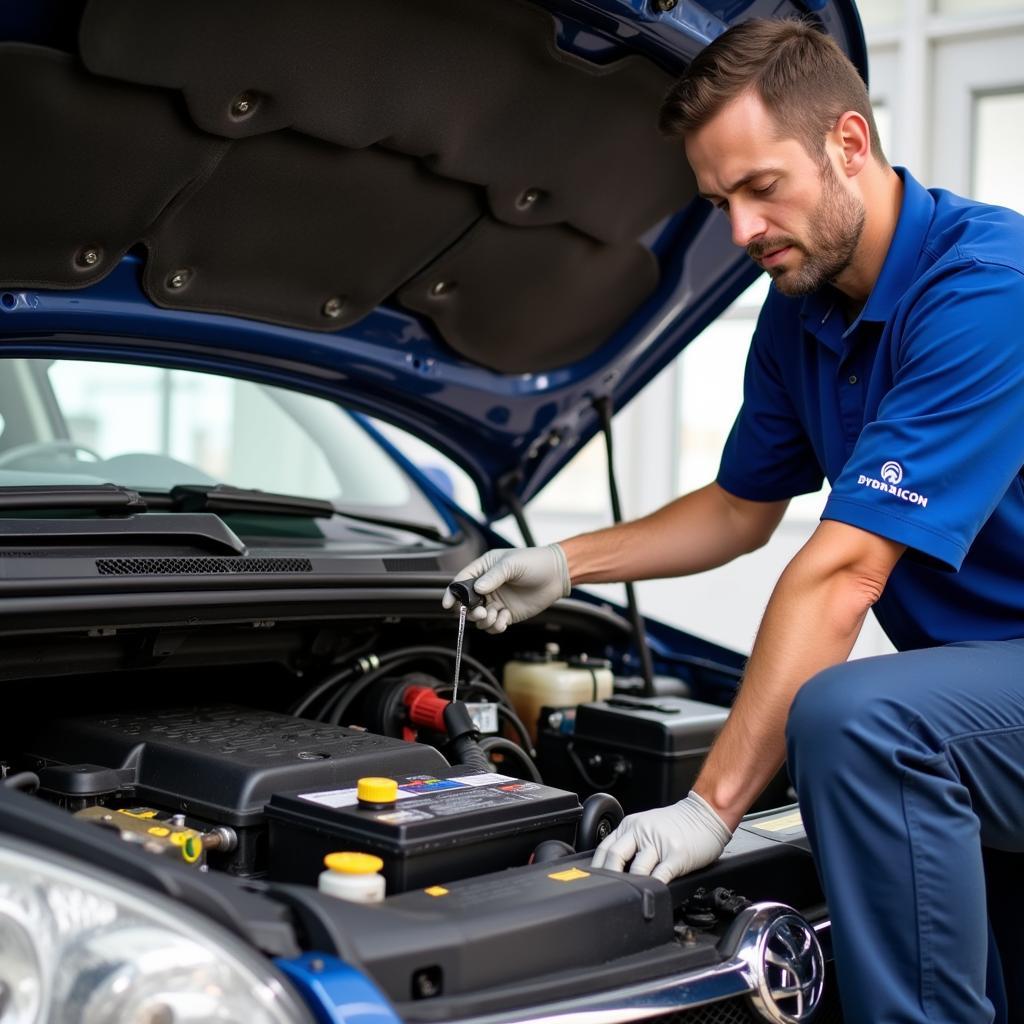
[914, 413]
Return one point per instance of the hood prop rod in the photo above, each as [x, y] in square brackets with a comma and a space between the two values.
[603, 405]
[507, 489]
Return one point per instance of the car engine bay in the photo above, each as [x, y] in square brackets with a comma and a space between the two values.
[247, 771]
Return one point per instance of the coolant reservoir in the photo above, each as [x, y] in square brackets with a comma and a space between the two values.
[547, 681]
[353, 876]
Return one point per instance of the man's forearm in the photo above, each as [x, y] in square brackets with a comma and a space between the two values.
[701, 530]
[812, 622]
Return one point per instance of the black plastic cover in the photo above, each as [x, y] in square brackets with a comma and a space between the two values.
[222, 763]
[669, 726]
[500, 940]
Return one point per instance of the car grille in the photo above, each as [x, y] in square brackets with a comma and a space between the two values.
[739, 1011]
[198, 566]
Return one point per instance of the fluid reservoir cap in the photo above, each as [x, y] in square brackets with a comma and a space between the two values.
[372, 790]
[348, 863]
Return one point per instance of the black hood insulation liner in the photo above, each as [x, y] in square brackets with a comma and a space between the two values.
[303, 163]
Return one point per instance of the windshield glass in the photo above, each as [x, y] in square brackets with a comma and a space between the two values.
[148, 428]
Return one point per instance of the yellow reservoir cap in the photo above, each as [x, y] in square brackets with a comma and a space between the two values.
[353, 863]
[377, 791]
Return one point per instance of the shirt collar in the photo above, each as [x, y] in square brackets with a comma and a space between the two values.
[898, 271]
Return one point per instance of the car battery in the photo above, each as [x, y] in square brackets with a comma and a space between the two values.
[440, 827]
[645, 751]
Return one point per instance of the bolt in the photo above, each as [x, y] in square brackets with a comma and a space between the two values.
[243, 105]
[316, 966]
[528, 198]
[88, 257]
[178, 279]
[425, 985]
[333, 308]
[664, 5]
[442, 288]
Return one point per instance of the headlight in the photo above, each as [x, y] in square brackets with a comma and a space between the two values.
[92, 950]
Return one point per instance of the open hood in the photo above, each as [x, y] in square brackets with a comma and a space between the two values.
[456, 215]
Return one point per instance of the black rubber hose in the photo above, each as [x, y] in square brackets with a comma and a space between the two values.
[387, 664]
[334, 679]
[463, 736]
[604, 410]
[27, 782]
[517, 723]
[505, 709]
[489, 743]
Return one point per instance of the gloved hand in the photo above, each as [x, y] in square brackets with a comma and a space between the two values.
[516, 582]
[666, 842]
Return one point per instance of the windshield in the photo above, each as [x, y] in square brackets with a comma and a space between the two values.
[150, 429]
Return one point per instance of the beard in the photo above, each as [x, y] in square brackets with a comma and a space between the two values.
[837, 223]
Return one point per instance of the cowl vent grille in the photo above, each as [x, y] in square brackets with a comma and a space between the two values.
[411, 565]
[198, 566]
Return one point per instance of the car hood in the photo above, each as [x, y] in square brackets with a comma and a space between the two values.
[455, 215]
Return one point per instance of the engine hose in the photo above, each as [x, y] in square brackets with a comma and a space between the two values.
[492, 690]
[618, 770]
[334, 679]
[463, 735]
[28, 782]
[517, 723]
[489, 743]
[388, 662]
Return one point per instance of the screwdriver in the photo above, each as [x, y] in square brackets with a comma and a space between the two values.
[464, 592]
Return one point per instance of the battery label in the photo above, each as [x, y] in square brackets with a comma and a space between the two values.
[413, 786]
[483, 779]
[419, 787]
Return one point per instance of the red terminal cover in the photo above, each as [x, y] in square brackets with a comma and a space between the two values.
[425, 708]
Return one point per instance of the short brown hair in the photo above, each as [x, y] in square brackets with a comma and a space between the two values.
[801, 76]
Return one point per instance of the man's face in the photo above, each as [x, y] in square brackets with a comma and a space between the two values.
[795, 217]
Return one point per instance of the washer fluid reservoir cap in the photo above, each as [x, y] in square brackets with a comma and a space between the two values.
[348, 863]
[371, 790]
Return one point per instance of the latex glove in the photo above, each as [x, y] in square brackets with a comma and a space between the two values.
[666, 842]
[517, 583]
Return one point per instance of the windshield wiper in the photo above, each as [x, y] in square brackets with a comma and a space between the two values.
[77, 497]
[224, 498]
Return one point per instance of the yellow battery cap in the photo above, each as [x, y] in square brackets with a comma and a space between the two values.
[377, 791]
[353, 863]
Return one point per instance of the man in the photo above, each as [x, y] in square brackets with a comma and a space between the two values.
[889, 358]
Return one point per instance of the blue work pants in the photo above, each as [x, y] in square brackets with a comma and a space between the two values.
[910, 774]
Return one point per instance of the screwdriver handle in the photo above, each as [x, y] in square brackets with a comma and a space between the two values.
[464, 592]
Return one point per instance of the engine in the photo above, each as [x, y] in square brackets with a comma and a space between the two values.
[539, 757]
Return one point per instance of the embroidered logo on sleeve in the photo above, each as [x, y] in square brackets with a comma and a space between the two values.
[892, 477]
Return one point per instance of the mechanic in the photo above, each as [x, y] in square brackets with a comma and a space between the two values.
[888, 358]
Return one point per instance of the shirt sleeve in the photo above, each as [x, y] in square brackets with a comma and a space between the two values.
[768, 455]
[948, 440]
